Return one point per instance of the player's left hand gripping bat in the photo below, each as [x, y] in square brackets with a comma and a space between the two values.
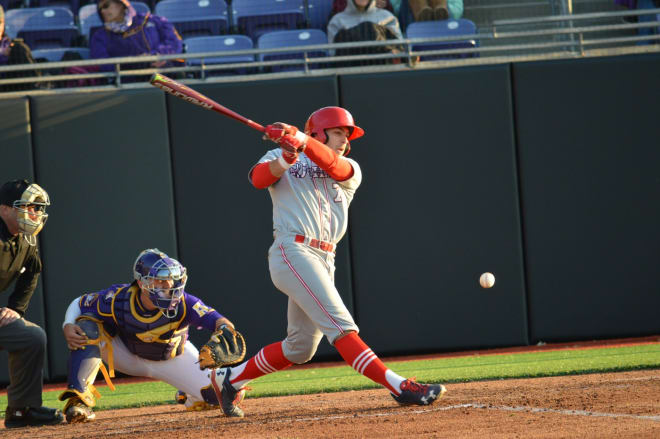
[189, 95]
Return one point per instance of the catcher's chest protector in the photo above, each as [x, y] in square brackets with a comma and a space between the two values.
[153, 338]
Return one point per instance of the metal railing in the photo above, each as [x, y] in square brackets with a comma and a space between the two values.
[505, 46]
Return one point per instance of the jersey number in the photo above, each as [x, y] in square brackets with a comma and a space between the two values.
[339, 197]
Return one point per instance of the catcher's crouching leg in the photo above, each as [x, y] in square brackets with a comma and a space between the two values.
[84, 364]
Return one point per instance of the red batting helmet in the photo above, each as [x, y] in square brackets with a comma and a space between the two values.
[332, 117]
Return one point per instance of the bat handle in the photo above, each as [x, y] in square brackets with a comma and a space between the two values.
[255, 125]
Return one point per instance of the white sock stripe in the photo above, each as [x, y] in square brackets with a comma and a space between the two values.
[262, 364]
[364, 366]
[267, 365]
[366, 359]
[359, 357]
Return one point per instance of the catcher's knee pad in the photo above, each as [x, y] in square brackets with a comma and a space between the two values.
[209, 395]
[84, 364]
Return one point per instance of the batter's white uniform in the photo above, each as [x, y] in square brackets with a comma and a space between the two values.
[308, 202]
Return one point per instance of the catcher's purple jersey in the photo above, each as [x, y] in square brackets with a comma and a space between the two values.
[147, 334]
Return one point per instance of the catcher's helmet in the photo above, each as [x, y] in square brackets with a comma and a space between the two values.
[30, 202]
[332, 117]
[151, 267]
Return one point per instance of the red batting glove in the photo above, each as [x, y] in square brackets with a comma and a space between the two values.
[291, 140]
[278, 130]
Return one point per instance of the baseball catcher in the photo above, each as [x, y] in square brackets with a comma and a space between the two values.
[141, 329]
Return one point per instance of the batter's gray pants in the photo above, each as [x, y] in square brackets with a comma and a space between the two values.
[26, 344]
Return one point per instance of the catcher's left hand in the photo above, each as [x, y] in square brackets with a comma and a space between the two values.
[226, 347]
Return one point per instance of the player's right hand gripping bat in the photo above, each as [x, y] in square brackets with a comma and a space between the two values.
[179, 90]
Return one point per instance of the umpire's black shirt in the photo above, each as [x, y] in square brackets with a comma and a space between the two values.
[18, 260]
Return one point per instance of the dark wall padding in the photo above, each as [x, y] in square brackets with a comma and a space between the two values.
[437, 207]
[224, 223]
[16, 162]
[588, 138]
[105, 160]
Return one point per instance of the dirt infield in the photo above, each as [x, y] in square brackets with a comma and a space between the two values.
[613, 405]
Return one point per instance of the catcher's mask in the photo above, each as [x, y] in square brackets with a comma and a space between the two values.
[163, 278]
[30, 202]
[332, 117]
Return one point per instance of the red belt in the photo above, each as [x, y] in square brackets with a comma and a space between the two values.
[325, 246]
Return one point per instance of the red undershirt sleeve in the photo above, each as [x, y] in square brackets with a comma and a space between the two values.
[261, 176]
[327, 160]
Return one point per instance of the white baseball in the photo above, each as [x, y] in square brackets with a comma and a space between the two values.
[487, 280]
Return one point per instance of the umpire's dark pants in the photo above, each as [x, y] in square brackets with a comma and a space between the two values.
[26, 344]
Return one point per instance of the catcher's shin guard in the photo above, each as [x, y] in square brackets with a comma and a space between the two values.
[84, 364]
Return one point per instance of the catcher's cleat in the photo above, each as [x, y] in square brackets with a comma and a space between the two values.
[76, 411]
[199, 406]
[231, 397]
[180, 397]
[420, 394]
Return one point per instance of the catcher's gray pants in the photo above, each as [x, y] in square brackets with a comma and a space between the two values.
[306, 275]
[26, 344]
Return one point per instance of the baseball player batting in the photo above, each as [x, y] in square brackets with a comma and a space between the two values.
[141, 329]
[311, 184]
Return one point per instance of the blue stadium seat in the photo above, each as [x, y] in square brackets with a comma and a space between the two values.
[42, 28]
[292, 38]
[90, 21]
[256, 17]
[54, 55]
[74, 5]
[219, 43]
[195, 17]
[318, 13]
[443, 28]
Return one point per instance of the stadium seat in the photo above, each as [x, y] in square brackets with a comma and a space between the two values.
[219, 43]
[42, 28]
[54, 55]
[318, 13]
[90, 21]
[443, 28]
[256, 17]
[291, 38]
[195, 17]
[74, 5]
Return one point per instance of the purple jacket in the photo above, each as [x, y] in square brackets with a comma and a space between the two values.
[148, 34]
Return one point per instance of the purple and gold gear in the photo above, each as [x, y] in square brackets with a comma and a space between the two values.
[84, 364]
[140, 342]
[163, 277]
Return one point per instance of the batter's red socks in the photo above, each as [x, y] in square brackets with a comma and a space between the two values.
[356, 353]
[268, 360]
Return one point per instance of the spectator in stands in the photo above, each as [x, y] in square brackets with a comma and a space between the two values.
[14, 52]
[360, 11]
[644, 4]
[391, 5]
[429, 10]
[127, 33]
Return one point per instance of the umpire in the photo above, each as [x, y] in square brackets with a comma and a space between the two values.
[23, 213]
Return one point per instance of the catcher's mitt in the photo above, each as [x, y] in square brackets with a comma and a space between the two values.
[226, 347]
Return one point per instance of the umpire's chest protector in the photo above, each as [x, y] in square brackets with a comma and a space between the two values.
[151, 337]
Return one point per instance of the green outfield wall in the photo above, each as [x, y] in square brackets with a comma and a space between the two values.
[546, 174]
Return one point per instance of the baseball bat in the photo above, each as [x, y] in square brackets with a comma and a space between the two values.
[179, 90]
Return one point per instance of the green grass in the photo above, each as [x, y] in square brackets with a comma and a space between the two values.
[446, 370]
